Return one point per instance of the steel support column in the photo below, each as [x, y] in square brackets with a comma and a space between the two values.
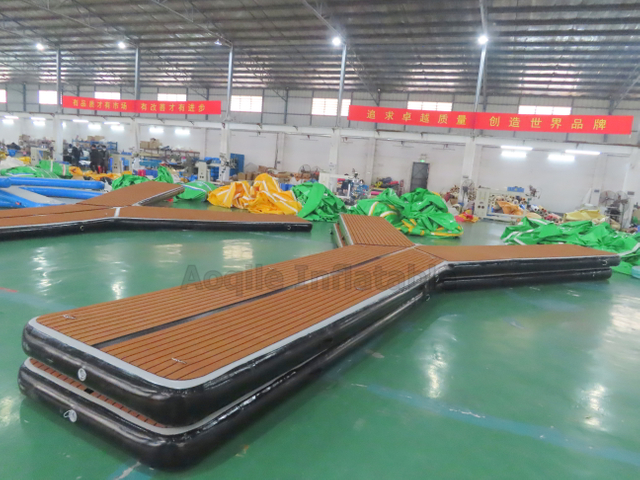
[483, 57]
[343, 67]
[59, 79]
[229, 83]
[136, 74]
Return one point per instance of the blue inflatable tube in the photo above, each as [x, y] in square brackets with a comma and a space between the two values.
[5, 182]
[63, 192]
[9, 200]
[56, 182]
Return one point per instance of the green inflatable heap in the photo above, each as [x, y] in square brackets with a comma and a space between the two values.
[318, 202]
[420, 212]
[585, 233]
[27, 171]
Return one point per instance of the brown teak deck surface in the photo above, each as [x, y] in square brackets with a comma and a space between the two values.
[107, 321]
[136, 194]
[199, 347]
[363, 230]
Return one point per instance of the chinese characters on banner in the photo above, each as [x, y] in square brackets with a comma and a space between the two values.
[143, 106]
[403, 116]
[600, 124]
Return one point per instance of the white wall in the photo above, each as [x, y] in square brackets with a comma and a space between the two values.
[562, 186]
[395, 159]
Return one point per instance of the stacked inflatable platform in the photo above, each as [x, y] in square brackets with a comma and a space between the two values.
[169, 375]
[125, 208]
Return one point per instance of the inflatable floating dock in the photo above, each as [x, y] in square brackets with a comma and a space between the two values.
[125, 208]
[171, 374]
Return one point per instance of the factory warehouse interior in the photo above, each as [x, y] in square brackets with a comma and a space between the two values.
[319, 239]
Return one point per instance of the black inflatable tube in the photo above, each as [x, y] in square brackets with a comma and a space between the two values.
[526, 265]
[185, 449]
[185, 406]
[512, 280]
[111, 224]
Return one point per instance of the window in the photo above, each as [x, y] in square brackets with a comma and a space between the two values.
[246, 103]
[108, 95]
[543, 110]
[172, 97]
[3, 96]
[433, 106]
[329, 107]
[48, 97]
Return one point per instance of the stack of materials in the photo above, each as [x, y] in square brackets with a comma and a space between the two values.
[586, 233]
[168, 375]
[420, 212]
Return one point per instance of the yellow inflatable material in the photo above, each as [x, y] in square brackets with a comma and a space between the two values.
[582, 215]
[77, 172]
[265, 196]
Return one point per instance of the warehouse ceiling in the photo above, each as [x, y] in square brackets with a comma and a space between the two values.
[537, 47]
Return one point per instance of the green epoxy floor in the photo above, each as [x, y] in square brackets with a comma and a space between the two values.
[522, 383]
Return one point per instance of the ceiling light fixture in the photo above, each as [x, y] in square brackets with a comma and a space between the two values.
[7, 121]
[559, 157]
[40, 46]
[182, 131]
[117, 128]
[483, 39]
[95, 126]
[79, 120]
[11, 117]
[516, 147]
[39, 123]
[38, 119]
[583, 152]
[337, 41]
[122, 45]
[515, 154]
[112, 123]
[156, 129]
[217, 42]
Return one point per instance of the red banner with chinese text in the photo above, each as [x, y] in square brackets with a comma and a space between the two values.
[87, 103]
[600, 124]
[403, 116]
[144, 106]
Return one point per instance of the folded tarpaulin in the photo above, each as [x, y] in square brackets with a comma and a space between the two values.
[164, 175]
[28, 171]
[197, 190]
[602, 237]
[420, 212]
[59, 169]
[265, 196]
[318, 203]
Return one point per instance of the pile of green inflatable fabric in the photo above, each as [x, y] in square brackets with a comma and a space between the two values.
[318, 202]
[127, 180]
[27, 171]
[420, 212]
[585, 233]
[196, 191]
[60, 170]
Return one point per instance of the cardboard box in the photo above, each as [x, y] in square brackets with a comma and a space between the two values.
[242, 176]
[263, 169]
[154, 143]
[144, 145]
